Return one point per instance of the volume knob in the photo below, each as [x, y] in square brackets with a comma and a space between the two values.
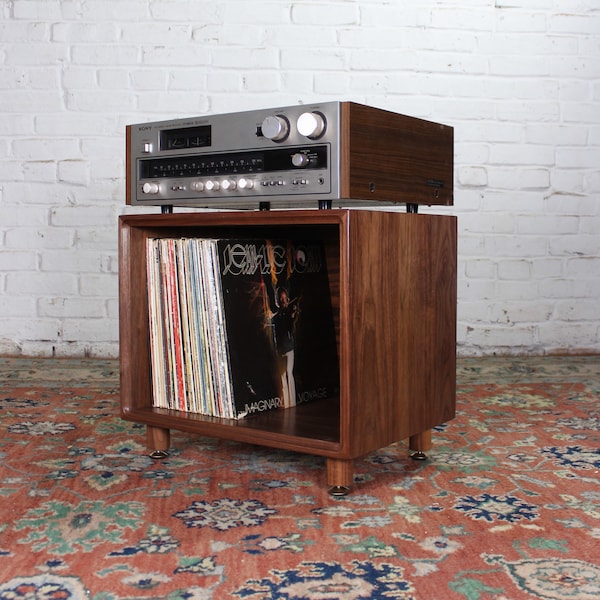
[311, 124]
[275, 127]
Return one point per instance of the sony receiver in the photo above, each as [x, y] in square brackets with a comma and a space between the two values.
[328, 154]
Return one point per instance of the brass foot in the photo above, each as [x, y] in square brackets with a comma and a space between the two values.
[418, 456]
[338, 491]
[158, 454]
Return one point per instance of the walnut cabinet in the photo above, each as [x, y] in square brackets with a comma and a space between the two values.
[393, 285]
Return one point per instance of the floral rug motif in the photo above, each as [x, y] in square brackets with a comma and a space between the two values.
[507, 506]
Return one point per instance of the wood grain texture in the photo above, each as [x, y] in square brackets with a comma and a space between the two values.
[392, 157]
[158, 438]
[421, 442]
[402, 326]
[393, 283]
[340, 473]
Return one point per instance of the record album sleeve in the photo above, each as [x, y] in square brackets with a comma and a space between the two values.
[279, 320]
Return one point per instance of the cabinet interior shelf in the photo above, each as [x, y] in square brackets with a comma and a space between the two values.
[314, 426]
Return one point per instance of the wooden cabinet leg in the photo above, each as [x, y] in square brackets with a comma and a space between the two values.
[340, 475]
[158, 441]
[419, 444]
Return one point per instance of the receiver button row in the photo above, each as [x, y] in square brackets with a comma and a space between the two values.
[245, 184]
[226, 185]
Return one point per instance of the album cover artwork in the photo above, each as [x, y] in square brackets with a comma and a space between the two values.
[279, 320]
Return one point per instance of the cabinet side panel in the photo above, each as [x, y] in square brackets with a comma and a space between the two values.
[431, 372]
[134, 352]
[403, 326]
[391, 157]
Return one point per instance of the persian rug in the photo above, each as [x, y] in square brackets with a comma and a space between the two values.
[507, 506]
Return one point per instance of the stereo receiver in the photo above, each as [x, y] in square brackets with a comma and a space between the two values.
[328, 154]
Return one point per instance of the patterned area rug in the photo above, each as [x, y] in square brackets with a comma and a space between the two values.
[507, 506]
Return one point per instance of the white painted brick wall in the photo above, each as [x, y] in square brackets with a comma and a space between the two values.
[518, 79]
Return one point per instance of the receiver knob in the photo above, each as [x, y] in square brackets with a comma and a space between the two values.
[275, 127]
[211, 186]
[311, 125]
[300, 160]
[150, 188]
[245, 184]
[228, 184]
[197, 186]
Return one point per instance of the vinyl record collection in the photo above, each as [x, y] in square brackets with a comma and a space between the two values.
[190, 365]
[238, 327]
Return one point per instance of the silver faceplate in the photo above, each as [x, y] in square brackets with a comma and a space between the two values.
[227, 161]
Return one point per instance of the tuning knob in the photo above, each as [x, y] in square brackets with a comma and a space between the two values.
[275, 127]
[311, 124]
[211, 186]
[150, 188]
[300, 160]
[197, 186]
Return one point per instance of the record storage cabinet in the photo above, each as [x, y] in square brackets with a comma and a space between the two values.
[393, 287]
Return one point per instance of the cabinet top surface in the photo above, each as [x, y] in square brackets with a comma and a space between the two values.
[331, 216]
